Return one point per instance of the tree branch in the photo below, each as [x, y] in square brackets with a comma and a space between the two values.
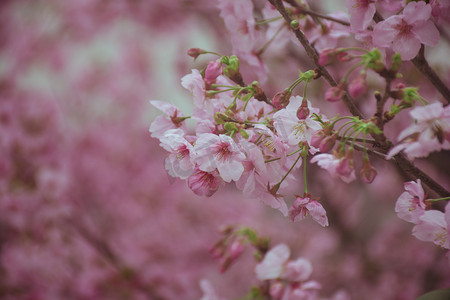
[422, 65]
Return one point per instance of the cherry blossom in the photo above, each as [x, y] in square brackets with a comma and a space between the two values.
[405, 32]
[410, 205]
[430, 132]
[219, 151]
[291, 128]
[172, 120]
[303, 206]
[204, 183]
[433, 228]
[179, 162]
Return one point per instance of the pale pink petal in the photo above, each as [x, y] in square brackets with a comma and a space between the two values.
[407, 45]
[273, 263]
[385, 32]
[427, 33]
[318, 213]
[299, 270]
[416, 11]
[427, 112]
[230, 170]
[432, 228]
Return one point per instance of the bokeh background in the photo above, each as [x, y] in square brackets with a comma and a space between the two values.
[87, 210]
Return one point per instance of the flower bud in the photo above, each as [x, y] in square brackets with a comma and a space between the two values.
[317, 138]
[334, 94]
[327, 143]
[303, 110]
[368, 172]
[236, 249]
[327, 57]
[343, 57]
[281, 99]
[396, 62]
[358, 86]
[195, 52]
[277, 290]
[213, 70]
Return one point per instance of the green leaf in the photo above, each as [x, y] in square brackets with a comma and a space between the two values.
[436, 295]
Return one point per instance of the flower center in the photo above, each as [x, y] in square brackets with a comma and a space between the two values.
[223, 151]
[403, 28]
[182, 152]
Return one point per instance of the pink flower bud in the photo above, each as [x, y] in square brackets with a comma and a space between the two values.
[335, 93]
[343, 57]
[277, 290]
[213, 70]
[368, 172]
[327, 143]
[327, 57]
[281, 99]
[358, 86]
[236, 249]
[303, 110]
[317, 138]
[195, 52]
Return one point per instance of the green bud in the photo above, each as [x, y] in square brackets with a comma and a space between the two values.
[234, 63]
[243, 133]
[308, 75]
[230, 126]
[395, 109]
[396, 62]
[225, 60]
[410, 95]
[220, 118]
[373, 60]
[295, 24]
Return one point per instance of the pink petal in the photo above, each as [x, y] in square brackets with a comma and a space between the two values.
[427, 33]
[408, 46]
[273, 263]
[416, 12]
[384, 32]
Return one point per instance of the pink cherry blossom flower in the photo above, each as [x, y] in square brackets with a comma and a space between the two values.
[405, 32]
[204, 183]
[433, 228]
[178, 163]
[291, 128]
[410, 205]
[173, 119]
[303, 206]
[337, 167]
[196, 85]
[430, 132]
[361, 13]
[221, 152]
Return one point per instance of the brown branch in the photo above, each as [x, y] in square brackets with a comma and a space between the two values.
[422, 65]
[305, 11]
